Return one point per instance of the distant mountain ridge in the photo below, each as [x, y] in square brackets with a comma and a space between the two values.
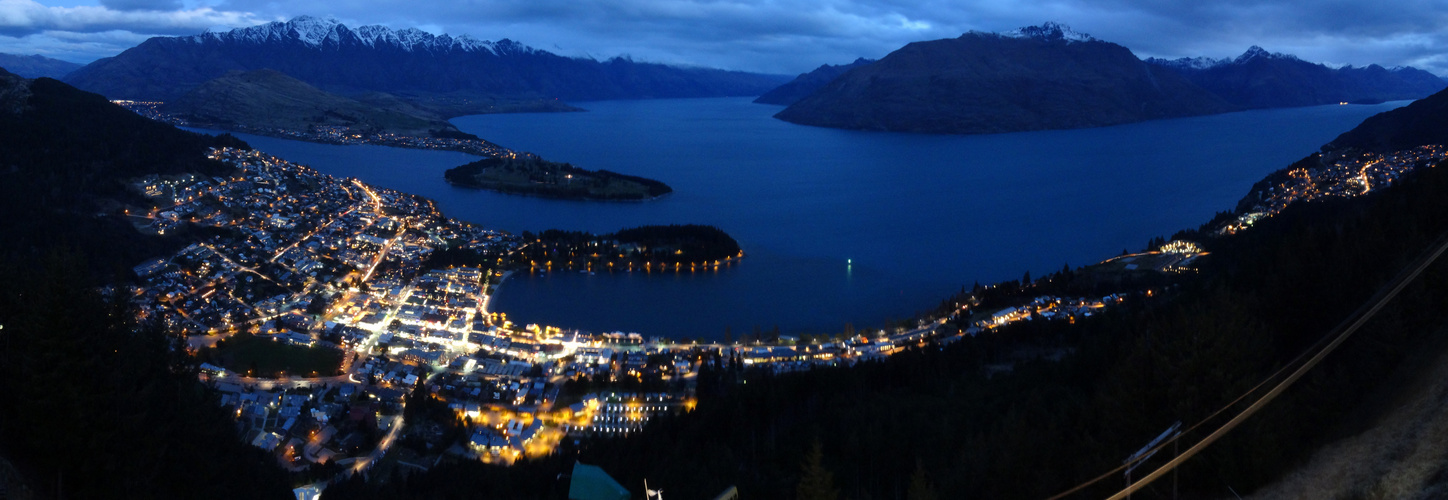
[1262, 79]
[36, 66]
[807, 83]
[472, 75]
[1051, 77]
[1035, 78]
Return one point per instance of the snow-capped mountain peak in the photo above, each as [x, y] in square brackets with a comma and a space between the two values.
[1049, 31]
[506, 46]
[1193, 63]
[313, 31]
[413, 38]
[469, 43]
[1254, 52]
[372, 35]
[1203, 63]
[317, 32]
[305, 29]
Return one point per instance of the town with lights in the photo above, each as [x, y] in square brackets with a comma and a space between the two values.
[1340, 176]
[319, 307]
[347, 327]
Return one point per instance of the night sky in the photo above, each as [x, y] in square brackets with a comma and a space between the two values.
[776, 36]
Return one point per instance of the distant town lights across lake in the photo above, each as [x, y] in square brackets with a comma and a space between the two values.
[924, 214]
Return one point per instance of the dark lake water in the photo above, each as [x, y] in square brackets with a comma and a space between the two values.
[917, 216]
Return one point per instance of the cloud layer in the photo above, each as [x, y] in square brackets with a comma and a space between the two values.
[26, 17]
[783, 36]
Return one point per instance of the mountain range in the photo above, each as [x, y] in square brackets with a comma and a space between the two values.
[1033, 78]
[1050, 77]
[1036, 78]
[1262, 79]
[36, 66]
[464, 74]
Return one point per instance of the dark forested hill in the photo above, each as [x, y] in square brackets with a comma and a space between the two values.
[1420, 123]
[535, 176]
[95, 405]
[1261, 79]
[1037, 78]
[807, 83]
[64, 157]
[469, 75]
[266, 98]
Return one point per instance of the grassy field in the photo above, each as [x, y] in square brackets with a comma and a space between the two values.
[1397, 447]
[265, 357]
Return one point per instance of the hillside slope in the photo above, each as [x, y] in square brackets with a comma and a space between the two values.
[1422, 122]
[80, 373]
[266, 98]
[1401, 453]
[65, 156]
[807, 83]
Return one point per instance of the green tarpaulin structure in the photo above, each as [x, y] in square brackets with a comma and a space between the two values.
[592, 483]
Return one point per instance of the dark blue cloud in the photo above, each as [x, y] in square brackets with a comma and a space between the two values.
[21, 18]
[160, 5]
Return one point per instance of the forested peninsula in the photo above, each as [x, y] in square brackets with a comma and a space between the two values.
[531, 175]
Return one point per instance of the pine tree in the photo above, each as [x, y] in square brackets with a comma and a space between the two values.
[815, 481]
[920, 486]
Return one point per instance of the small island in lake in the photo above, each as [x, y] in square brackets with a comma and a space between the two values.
[646, 248]
[531, 175]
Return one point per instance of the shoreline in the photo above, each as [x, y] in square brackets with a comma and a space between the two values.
[647, 267]
[476, 150]
[496, 288]
[450, 182]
